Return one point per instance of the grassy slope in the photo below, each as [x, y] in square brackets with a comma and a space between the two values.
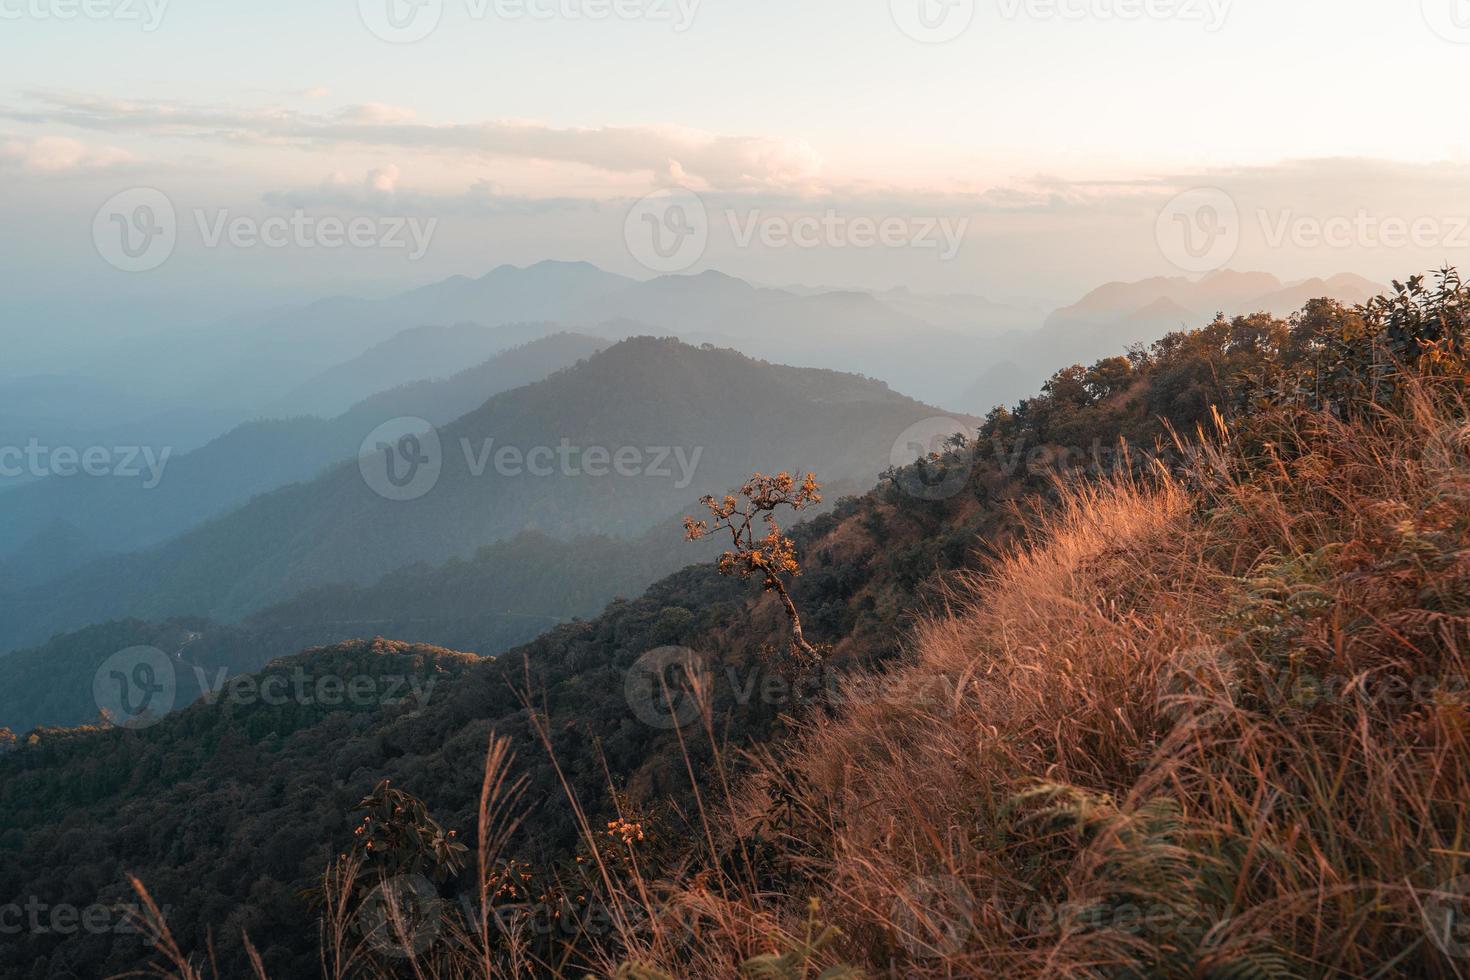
[1209, 725]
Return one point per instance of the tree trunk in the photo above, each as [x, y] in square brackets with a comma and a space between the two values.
[798, 640]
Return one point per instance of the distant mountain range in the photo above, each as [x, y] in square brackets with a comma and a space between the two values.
[1118, 314]
[93, 536]
[77, 410]
[252, 363]
[1225, 291]
[182, 387]
[56, 524]
[676, 420]
[410, 355]
[505, 595]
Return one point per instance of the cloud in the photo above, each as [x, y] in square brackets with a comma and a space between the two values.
[379, 192]
[731, 171]
[701, 159]
[376, 113]
[384, 180]
[1330, 184]
[51, 155]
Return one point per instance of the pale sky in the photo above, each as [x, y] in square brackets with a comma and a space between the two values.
[1056, 129]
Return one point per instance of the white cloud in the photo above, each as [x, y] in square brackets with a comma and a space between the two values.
[49, 155]
[384, 180]
[706, 160]
[380, 192]
[376, 113]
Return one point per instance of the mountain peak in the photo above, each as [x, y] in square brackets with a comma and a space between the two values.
[544, 267]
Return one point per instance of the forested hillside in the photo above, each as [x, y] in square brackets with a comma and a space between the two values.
[1003, 712]
[1208, 720]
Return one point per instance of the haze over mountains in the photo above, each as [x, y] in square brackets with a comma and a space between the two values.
[674, 420]
[547, 529]
[873, 564]
[416, 354]
[75, 518]
[1118, 314]
[316, 408]
[283, 352]
[782, 500]
[182, 387]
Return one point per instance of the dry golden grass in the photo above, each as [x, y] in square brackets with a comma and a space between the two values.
[1213, 725]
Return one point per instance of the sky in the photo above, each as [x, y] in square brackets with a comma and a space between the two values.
[1022, 149]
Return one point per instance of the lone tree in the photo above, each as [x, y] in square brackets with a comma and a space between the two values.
[772, 556]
